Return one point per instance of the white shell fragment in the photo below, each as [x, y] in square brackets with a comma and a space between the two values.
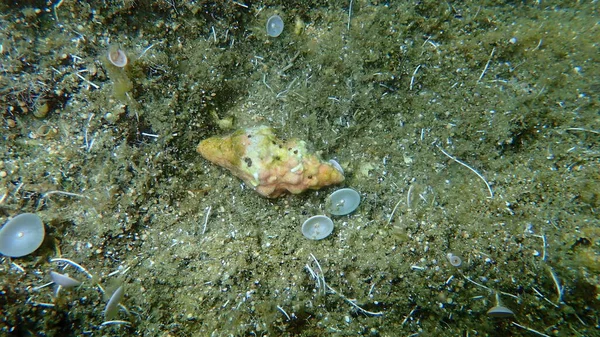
[317, 227]
[22, 235]
[113, 304]
[274, 26]
[63, 280]
[343, 201]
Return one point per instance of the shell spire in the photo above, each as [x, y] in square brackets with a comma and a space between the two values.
[268, 164]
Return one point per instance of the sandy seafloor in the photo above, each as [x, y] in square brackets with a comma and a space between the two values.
[106, 157]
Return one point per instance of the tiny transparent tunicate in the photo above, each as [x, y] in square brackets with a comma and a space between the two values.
[63, 280]
[22, 235]
[454, 260]
[337, 165]
[113, 304]
[500, 311]
[343, 201]
[274, 26]
[317, 227]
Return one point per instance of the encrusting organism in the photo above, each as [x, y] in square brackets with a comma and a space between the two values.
[268, 164]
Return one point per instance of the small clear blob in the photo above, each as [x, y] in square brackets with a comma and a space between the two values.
[112, 307]
[343, 201]
[117, 57]
[454, 260]
[64, 281]
[337, 165]
[21, 235]
[500, 311]
[317, 227]
[274, 26]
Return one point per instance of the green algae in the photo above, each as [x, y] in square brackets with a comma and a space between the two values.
[511, 90]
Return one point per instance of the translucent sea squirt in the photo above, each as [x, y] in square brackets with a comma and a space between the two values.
[22, 235]
[117, 57]
[64, 280]
[343, 201]
[112, 306]
[274, 26]
[317, 227]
